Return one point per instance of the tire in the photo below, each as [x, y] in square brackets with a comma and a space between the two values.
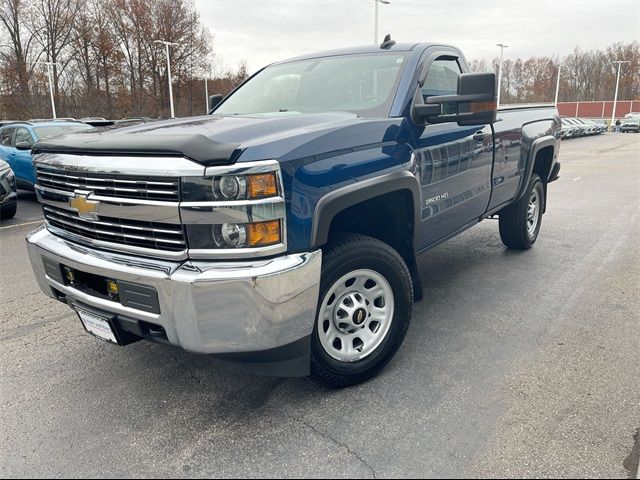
[519, 227]
[377, 306]
[8, 211]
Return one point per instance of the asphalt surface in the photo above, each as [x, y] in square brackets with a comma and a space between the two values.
[516, 364]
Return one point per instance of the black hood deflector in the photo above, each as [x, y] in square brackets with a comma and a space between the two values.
[196, 147]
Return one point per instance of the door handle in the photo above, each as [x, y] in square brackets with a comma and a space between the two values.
[480, 135]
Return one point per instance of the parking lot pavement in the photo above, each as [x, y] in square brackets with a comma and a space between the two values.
[516, 364]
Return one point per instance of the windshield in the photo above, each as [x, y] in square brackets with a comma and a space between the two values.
[55, 130]
[362, 84]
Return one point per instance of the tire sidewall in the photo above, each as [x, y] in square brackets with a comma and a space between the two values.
[401, 313]
[536, 183]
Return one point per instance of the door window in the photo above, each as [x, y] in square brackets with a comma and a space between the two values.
[442, 79]
[6, 136]
[23, 135]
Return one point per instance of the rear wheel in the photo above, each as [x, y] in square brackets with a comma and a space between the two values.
[520, 222]
[366, 296]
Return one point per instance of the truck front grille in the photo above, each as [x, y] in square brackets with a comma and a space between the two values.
[122, 186]
[152, 235]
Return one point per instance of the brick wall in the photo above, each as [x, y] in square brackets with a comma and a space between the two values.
[598, 109]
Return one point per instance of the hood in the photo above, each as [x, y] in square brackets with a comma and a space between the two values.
[208, 140]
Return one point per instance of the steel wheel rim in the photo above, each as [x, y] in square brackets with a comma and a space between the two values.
[355, 315]
[533, 212]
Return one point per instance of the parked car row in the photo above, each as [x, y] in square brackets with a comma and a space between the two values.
[580, 127]
[18, 137]
[630, 124]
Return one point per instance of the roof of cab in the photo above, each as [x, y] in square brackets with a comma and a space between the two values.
[398, 47]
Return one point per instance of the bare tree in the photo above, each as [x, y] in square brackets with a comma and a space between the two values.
[16, 60]
[52, 24]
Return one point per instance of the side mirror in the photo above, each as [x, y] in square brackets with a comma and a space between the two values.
[214, 100]
[475, 103]
[24, 146]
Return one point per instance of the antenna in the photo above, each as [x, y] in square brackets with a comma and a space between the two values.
[388, 43]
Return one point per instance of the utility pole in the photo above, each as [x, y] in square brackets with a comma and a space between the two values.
[615, 97]
[558, 86]
[167, 45]
[502, 47]
[50, 75]
[375, 34]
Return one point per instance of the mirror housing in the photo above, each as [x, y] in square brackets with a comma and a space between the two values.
[24, 146]
[475, 103]
[214, 100]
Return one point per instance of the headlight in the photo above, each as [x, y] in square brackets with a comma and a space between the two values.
[235, 235]
[235, 211]
[8, 174]
[230, 187]
[229, 235]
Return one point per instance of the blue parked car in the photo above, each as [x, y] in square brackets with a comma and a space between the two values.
[17, 139]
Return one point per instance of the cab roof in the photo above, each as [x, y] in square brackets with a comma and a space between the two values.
[398, 47]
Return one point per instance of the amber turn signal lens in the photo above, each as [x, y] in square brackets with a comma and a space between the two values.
[262, 234]
[262, 185]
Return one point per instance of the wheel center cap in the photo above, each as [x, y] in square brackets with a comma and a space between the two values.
[359, 316]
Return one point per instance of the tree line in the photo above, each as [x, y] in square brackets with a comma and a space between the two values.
[106, 61]
[585, 75]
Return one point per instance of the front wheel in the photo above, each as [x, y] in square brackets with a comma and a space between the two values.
[366, 297]
[520, 222]
[8, 211]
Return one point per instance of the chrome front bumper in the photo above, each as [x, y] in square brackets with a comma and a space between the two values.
[211, 307]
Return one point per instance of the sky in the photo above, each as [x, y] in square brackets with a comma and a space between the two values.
[263, 31]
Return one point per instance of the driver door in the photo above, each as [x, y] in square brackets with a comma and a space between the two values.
[455, 161]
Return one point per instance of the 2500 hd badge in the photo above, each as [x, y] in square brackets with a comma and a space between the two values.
[436, 199]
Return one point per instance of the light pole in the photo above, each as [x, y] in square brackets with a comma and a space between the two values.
[375, 35]
[49, 68]
[167, 45]
[615, 97]
[502, 47]
[206, 95]
[558, 85]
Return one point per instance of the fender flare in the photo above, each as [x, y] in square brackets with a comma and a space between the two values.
[336, 201]
[537, 145]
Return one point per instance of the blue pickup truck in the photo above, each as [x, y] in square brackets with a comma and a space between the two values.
[281, 231]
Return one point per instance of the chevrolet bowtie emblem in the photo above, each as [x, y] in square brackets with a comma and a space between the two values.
[85, 208]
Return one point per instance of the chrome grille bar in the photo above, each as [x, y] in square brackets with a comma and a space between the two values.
[138, 187]
[151, 235]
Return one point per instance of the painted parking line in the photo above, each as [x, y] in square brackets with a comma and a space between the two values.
[21, 224]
